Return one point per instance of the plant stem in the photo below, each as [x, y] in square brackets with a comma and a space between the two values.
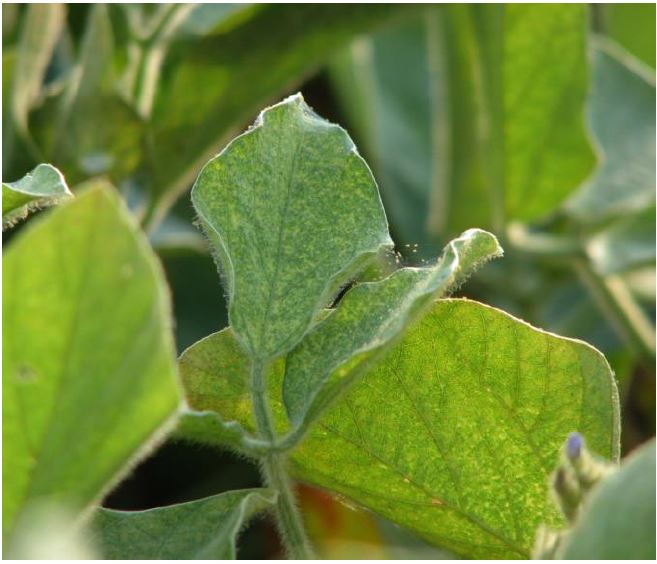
[617, 303]
[274, 469]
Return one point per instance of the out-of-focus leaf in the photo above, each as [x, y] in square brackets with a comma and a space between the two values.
[205, 529]
[632, 25]
[95, 130]
[42, 27]
[452, 435]
[618, 519]
[44, 186]
[248, 66]
[292, 211]
[89, 377]
[487, 101]
[628, 243]
[622, 118]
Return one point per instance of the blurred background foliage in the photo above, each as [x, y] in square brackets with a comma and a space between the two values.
[549, 142]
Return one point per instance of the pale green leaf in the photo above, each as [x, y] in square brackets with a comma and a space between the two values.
[44, 186]
[618, 519]
[473, 104]
[89, 377]
[41, 29]
[452, 435]
[627, 243]
[204, 529]
[622, 118]
[371, 315]
[293, 211]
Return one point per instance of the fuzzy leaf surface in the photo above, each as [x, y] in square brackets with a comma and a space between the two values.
[452, 434]
[204, 529]
[618, 520]
[44, 186]
[293, 211]
[367, 319]
[88, 356]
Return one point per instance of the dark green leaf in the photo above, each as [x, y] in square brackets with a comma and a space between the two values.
[293, 211]
[44, 186]
[88, 358]
[205, 529]
[632, 25]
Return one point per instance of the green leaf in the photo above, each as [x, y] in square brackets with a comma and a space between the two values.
[618, 519]
[89, 379]
[261, 57]
[622, 118]
[44, 186]
[371, 315]
[41, 29]
[205, 529]
[627, 243]
[477, 103]
[632, 26]
[293, 212]
[452, 435]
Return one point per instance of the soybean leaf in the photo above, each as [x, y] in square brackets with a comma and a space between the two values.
[628, 243]
[203, 529]
[44, 186]
[88, 355]
[268, 50]
[42, 27]
[370, 315]
[632, 26]
[618, 519]
[453, 434]
[493, 117]
[292, 211]
[622, 118]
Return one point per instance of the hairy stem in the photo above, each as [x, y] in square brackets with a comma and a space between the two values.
[274, 469]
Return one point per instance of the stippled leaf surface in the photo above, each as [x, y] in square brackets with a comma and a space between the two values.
[368, 318]
[204, 529]
[618, 519]
[487, 102]
[88, 355]
[44, 186]
[292, 211]
[621, 115]
[453, 434]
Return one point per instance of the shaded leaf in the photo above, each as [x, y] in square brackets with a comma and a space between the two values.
[88, 354]
[292, 211]
[44, 186]
[622, 118]
[270, 50]
[477, 103]
[618, 519]
[452, 435]
[627, 243]
[632, 26]
[203, 529]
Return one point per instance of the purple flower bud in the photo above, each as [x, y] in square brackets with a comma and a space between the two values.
[574, 445]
